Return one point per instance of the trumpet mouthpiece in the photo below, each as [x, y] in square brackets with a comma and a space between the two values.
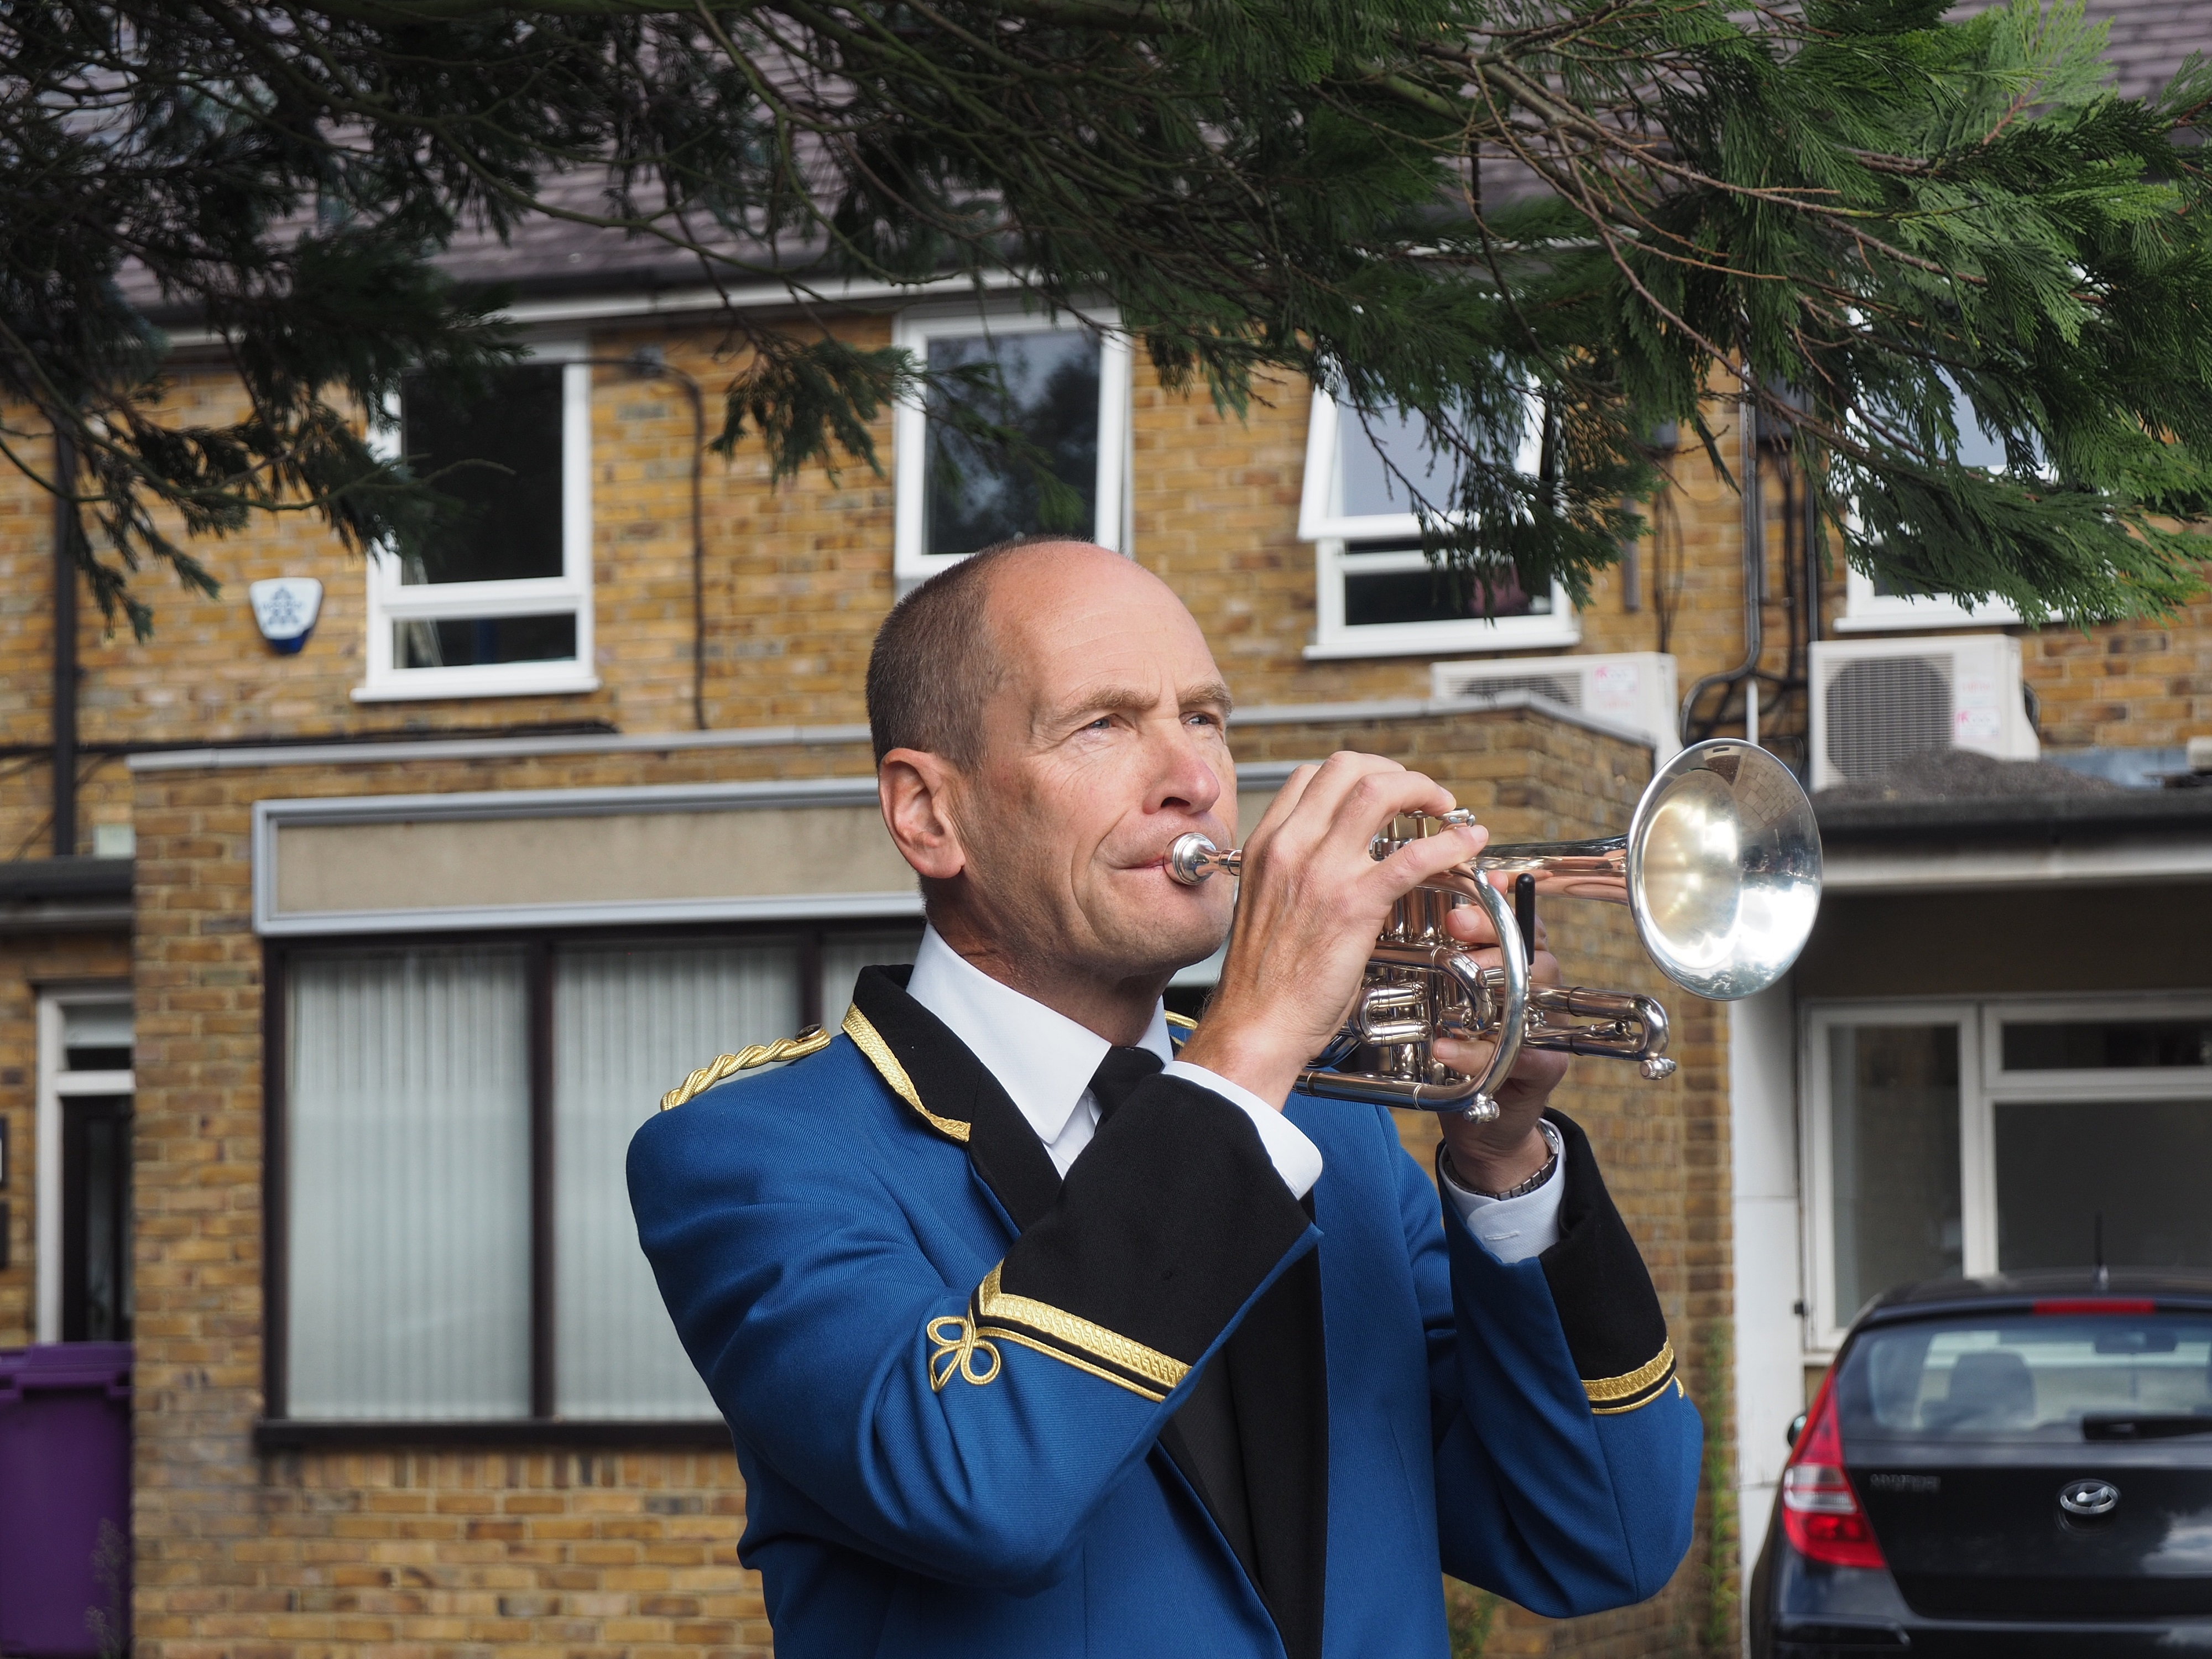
[1192, 858]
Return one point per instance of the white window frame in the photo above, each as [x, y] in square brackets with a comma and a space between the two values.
[913, 329]
[1321, 521]
[1866, 611]
[55, 1084]
[391, 600]
[1984, 1085]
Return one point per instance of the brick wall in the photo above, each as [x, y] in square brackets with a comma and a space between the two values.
[797, 576]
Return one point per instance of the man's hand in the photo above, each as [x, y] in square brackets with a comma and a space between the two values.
[1312, 904]
[1501, 1154]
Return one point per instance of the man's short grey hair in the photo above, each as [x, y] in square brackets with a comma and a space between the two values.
[935, 664]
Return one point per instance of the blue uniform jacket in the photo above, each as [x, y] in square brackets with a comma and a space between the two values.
[1162, 1406]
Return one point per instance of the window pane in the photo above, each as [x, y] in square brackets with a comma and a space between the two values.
[843, 956]
[2087, 1044]
[1052, 399]
[1377, 599]
[96, 1218]
[1366, 483]
[2036, 1375]
[96, 1037]
[2141, 1164]
[408, 1206]
[627, 1026]
[1894, 1119]
[475, 640]
[497, 462]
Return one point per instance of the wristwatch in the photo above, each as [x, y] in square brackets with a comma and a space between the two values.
[1519, 1189]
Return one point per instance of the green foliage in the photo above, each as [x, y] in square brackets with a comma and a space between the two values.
[1468, 1614]
[1588, 213]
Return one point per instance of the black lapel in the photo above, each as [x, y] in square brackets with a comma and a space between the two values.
[955, 1089]
[1276, 1374]
[1252, 1439]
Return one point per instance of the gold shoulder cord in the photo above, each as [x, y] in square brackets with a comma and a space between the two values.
[811, 1041]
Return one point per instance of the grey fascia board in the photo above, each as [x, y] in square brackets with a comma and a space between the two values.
[247, 757]
[612, 913]
[1421, 708]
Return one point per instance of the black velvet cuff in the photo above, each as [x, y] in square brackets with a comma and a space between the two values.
[1167, 1224]
[1606, 1305]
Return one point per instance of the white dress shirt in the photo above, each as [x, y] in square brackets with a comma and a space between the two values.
[1044, 1061]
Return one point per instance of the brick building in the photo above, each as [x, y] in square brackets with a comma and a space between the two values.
[324, 1024]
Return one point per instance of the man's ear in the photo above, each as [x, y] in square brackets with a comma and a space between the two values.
[915, 789]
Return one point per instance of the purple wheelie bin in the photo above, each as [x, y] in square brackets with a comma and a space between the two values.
[64, 1499]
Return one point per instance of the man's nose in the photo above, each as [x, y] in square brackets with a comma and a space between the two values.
[1185, 776]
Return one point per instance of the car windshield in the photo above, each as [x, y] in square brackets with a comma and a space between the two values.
[2046, 1377]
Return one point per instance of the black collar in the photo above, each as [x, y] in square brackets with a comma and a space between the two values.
[939, 1078]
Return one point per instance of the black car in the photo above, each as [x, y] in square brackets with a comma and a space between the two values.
[2008, 1467]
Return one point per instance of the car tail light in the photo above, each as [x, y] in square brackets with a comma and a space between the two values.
[2102, 1304]
[1820, 1513]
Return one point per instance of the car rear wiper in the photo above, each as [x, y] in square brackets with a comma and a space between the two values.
[2152, 1425]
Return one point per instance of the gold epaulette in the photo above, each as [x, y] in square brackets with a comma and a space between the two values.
[811, 1041]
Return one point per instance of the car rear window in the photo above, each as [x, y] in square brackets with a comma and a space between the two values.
[2051, 1375]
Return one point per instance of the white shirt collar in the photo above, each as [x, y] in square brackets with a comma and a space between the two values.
[1042, 1058]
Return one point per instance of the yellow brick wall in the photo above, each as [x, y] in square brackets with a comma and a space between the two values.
[797, 576]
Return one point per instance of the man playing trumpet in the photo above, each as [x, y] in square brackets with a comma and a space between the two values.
[1038, 1335]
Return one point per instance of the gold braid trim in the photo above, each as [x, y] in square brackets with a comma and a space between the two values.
[870, 1043]
[1181, 1021]
[811, 1041]
[994, 1308]
[1603, 1390]
[1659, 1392]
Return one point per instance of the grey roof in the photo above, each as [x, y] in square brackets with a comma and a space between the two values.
[549, 257]
[1960, 793]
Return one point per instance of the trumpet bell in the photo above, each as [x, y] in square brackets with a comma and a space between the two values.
[1724, 869]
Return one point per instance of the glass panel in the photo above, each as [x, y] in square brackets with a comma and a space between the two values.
[497, 462]
[1895, 1123]
[1051, 398]
[96, 1037]
[1374, 599]
[627, 1024]
[1366, 485]
[2140, 1164]
[472, 640]
[408, 1198]
[2096, 1044]
[2025, 1376]
[843, 956]
[96, 1219]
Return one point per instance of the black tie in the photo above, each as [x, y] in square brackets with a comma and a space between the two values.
[1121, 1070]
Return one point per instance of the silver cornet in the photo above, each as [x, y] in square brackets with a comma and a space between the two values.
[1721, 868]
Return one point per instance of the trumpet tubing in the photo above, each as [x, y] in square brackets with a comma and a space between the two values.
[1720, 867]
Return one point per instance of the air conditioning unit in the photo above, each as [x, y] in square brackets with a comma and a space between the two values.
[1635, 688]
[1876, 702]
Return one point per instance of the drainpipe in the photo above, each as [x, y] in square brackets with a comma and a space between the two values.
[65, 532]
